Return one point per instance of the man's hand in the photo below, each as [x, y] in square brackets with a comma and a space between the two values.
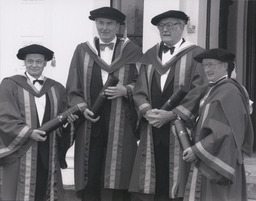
[188, 155]
[38, 135]
[148, 115]
[117, 91]
[72, 118]
[88, 114]
[158, 118]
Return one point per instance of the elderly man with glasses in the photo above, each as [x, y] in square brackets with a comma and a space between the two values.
[159, 172]
[223, 134]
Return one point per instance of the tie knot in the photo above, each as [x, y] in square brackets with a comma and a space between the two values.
[166, 49]
[104, 45]
[41, 82]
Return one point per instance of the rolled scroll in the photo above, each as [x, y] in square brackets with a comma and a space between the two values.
[62, 118]
[180, 128]
[182, 134]
[101, 99]
[175, 99]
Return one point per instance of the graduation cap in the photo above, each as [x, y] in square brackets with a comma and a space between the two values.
[36, 49]
[170, 14]
[108, 12]
[216, 53]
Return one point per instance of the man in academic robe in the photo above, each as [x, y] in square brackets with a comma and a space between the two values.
[223, 134]
[105, 145]
[159, 172]
[30, 158]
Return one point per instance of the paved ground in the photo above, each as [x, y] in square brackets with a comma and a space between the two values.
[250, 168]
[68, 177]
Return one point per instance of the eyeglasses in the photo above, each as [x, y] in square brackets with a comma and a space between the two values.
[31, 62]
[168, 25]
[210, 65]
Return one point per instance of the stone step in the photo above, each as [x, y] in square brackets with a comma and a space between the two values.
[251, 187]
[70, 194]
[250, 169]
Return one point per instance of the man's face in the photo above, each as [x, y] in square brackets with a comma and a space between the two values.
[35, 64]
[214, 69]
[170, 30]
[107, 29]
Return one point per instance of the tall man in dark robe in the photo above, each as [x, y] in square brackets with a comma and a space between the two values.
[159, 172]
[29, 158]
[222, 136]
[105, 146]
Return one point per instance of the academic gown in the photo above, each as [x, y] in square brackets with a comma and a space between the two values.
[223, 134]
[184, 71]
[18, 152]
[114, 132]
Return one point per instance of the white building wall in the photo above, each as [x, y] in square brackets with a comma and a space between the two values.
[57, 24]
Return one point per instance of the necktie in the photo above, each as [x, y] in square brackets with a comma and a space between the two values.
[166, 49]
[41, 82]
[104, 45]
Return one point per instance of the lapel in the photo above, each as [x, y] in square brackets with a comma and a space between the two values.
[152, 57]
[22, 81]
[169, 78]
[158, 79]
[118, 59]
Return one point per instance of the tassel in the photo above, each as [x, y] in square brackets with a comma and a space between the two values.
[53, 63]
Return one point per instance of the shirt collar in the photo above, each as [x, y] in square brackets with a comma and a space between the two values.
[221, 78]
[177, 45]
[31, 78]
[113, 41]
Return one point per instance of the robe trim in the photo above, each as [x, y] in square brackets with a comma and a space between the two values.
[193, 184]
[1, 179]
[87, 70]
[143, 106]
[27, 183]
[53, 153]
[147, 170]
[216, 162]
[152, 56]
[86, 64]
[149, 74]
[7, 150]
[206, 111]
[182, 74]
[185, 111]
[114, 151]
[28, 173]
[24, 83]
[120, 61]
[174, 176]
[193, 187]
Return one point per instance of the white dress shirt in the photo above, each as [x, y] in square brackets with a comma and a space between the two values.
[106, 55]
[41, 101]
[165, 58]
